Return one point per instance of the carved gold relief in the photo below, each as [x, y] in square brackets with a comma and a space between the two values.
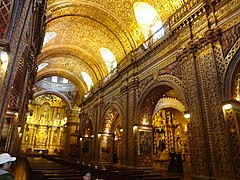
[237, 89]
[170, 132]
[109, 119]
[4, 12]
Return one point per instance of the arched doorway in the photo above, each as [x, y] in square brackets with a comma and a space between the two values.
[162, 110]
[170, 135]
[110, 136]
[117, 144]
[231, 108]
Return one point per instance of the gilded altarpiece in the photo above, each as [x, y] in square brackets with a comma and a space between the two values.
[44, 131]
[170, 133]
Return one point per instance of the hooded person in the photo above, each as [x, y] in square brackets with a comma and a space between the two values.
[5, 164]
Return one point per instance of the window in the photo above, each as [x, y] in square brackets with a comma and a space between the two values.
[87, 79]
[41, 66]
[109, 59]
[54, 79]
[49, 36]
[64, 80]
[148, 19]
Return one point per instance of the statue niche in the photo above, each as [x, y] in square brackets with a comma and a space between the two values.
[44, 114]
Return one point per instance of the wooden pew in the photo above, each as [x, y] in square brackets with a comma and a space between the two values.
[163, 178]
[142, 176]
[40, 167]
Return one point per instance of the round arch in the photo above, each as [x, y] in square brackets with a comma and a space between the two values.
[86, 123]
[168, 103]
[112, 106]
[54, 93]
[79, 83]
[167, 82]
[74, 52]
[115, 105]
[233, 67]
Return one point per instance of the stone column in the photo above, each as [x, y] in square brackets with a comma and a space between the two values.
[97, 117]
[131, 121]
[197, 139]
[72, 123]
[232, 121]
[198, 65]
[124, 153]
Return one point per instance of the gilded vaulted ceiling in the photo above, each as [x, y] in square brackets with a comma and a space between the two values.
[82, 27]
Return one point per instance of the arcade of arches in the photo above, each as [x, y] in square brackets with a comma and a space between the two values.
[123, 82]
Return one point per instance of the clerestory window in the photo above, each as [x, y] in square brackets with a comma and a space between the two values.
[87, 79]
[48, 37]
[109, 59]
[148, 19]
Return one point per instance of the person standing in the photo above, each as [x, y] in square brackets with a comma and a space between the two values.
[5, 164]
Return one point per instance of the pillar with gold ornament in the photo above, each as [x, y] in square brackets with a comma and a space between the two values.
[231, 110]
[72, 125]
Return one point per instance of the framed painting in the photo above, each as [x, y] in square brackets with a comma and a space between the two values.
[145, 141]
[86, 146]
[106, 148]
[106, 142]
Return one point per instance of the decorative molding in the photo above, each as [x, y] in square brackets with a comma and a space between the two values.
[198, 43]
[229, 37]
[196, 140]
[210, 100]
[167, 102]
[4, 13]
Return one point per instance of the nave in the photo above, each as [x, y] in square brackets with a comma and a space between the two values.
[124, 85]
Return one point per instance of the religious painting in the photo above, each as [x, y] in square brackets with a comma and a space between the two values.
[145, 142]
[159, 140]
[106, 147]
[41, 137]
[86, 146]
[105, 143]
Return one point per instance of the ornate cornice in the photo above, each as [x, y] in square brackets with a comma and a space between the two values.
[198, 43]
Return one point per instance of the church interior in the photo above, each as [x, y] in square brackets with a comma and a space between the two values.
[135, 86]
